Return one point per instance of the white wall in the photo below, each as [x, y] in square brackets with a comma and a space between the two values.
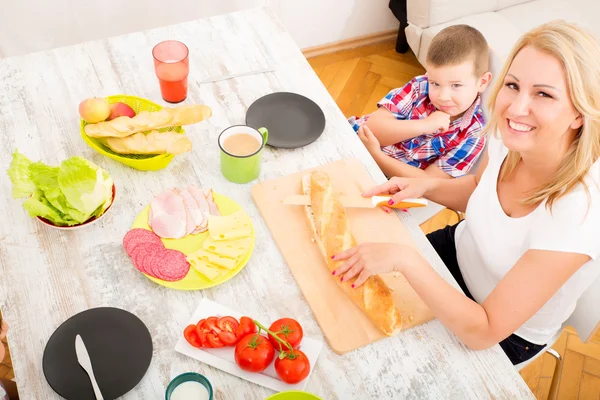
[34, 25]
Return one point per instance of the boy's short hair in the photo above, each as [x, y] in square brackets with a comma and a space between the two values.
[457, 44]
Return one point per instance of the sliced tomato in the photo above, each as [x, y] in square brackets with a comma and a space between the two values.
[191, 336]
[214, 341]
[246, 326]
[211, 323]
[228, 324]
[228, 338]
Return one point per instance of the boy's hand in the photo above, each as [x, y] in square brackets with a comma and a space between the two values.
[368, 139]
[439, 121]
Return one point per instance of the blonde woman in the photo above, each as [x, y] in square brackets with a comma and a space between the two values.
[530, 242]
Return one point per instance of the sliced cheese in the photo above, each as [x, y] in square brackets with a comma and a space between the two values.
[229, 227]
[211, 272]
[213, 258]
[235, 249]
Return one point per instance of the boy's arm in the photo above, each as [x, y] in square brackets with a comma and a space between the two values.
[390, 130]
[392, 167]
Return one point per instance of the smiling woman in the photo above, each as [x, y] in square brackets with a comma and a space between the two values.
[528, 247]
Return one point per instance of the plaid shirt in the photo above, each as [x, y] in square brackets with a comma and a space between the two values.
[454, 151]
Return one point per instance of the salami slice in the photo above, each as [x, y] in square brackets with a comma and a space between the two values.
[172, 266]
[151, 260]
[139, 252]
[137, 236]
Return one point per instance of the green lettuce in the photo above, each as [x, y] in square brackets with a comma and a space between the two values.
[69, 194]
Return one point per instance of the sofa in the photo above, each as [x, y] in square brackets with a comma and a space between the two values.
[502, 22]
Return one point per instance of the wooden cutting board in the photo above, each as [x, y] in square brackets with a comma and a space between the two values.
[343, 323]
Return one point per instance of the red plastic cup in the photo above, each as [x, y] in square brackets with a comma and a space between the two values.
[171, 63]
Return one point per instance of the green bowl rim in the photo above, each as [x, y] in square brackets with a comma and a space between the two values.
[181, 378]
[116, 156]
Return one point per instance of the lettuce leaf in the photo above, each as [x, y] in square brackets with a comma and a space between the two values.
[19, 175]
[82, 183]
[38, 206]
[68, 194]
[45, 178]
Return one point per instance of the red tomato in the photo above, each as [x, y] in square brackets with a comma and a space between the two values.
[292, 368]
[286, 329]
[211, 323]
[213, 340]
[202, 331]
[254, 353]
[246, 326]
[191, 336]
[228, 338]
[228, 324]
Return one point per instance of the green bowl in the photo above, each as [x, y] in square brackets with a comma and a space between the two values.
[189, 377]
[293, 395]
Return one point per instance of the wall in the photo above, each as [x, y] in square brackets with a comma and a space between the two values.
[34, 25]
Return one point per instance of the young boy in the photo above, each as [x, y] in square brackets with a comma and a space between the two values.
[432, 125]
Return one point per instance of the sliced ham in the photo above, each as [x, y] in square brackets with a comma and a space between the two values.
[202, 205]
[212, 206]
[196, 216]
[167, 217]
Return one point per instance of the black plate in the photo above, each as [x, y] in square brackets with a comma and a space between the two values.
[292, 120]
[119, 345]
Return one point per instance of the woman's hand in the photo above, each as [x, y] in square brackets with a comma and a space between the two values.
[369, 259]
[403, 188]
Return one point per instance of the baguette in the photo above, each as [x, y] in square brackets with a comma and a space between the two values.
[330, 225]
[145, 121]
[154, 142]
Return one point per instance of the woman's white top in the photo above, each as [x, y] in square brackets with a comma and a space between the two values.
[489, 243]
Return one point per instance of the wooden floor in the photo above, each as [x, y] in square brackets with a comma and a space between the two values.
[357, 79]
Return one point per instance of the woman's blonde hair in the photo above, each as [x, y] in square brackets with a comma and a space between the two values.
[579, 53]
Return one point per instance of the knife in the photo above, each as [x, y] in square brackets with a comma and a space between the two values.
[84, 360]
[359, 202]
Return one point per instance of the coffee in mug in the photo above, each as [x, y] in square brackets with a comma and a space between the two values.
[241, 144]
[241, 152]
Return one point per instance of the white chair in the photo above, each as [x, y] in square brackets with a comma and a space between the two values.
[584, 319]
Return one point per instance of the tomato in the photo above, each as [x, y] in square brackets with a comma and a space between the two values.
[228, 324]
[246, 326]
[191, 336]
[286, 329]
[213, 340]
[228, 338]
[293, 367]
[254, 353]
[211, 323]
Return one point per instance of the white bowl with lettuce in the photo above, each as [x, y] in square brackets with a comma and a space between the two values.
[72, 195]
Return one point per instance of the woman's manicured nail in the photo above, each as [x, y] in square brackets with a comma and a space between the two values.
[342, 279]
[333, 273]
[333, 256]
[353, 286]
[391, 202]
[405, 209]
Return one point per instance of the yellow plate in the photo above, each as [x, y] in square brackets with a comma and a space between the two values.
[191, 243]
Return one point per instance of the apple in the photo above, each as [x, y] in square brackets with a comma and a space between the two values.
[93, 110]
[120, 110]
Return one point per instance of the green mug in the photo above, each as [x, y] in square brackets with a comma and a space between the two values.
[241, 156]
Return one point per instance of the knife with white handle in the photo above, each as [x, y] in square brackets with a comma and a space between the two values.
[84, 360]
[357, 201]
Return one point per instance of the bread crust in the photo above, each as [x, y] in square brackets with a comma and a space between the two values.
[146, 121]
[329, 222]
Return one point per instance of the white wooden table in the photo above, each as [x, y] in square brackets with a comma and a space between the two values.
[48, 275]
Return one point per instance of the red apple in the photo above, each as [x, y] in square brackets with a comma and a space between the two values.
[120, 110]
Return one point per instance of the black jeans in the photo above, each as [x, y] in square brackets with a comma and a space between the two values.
[516, 348]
